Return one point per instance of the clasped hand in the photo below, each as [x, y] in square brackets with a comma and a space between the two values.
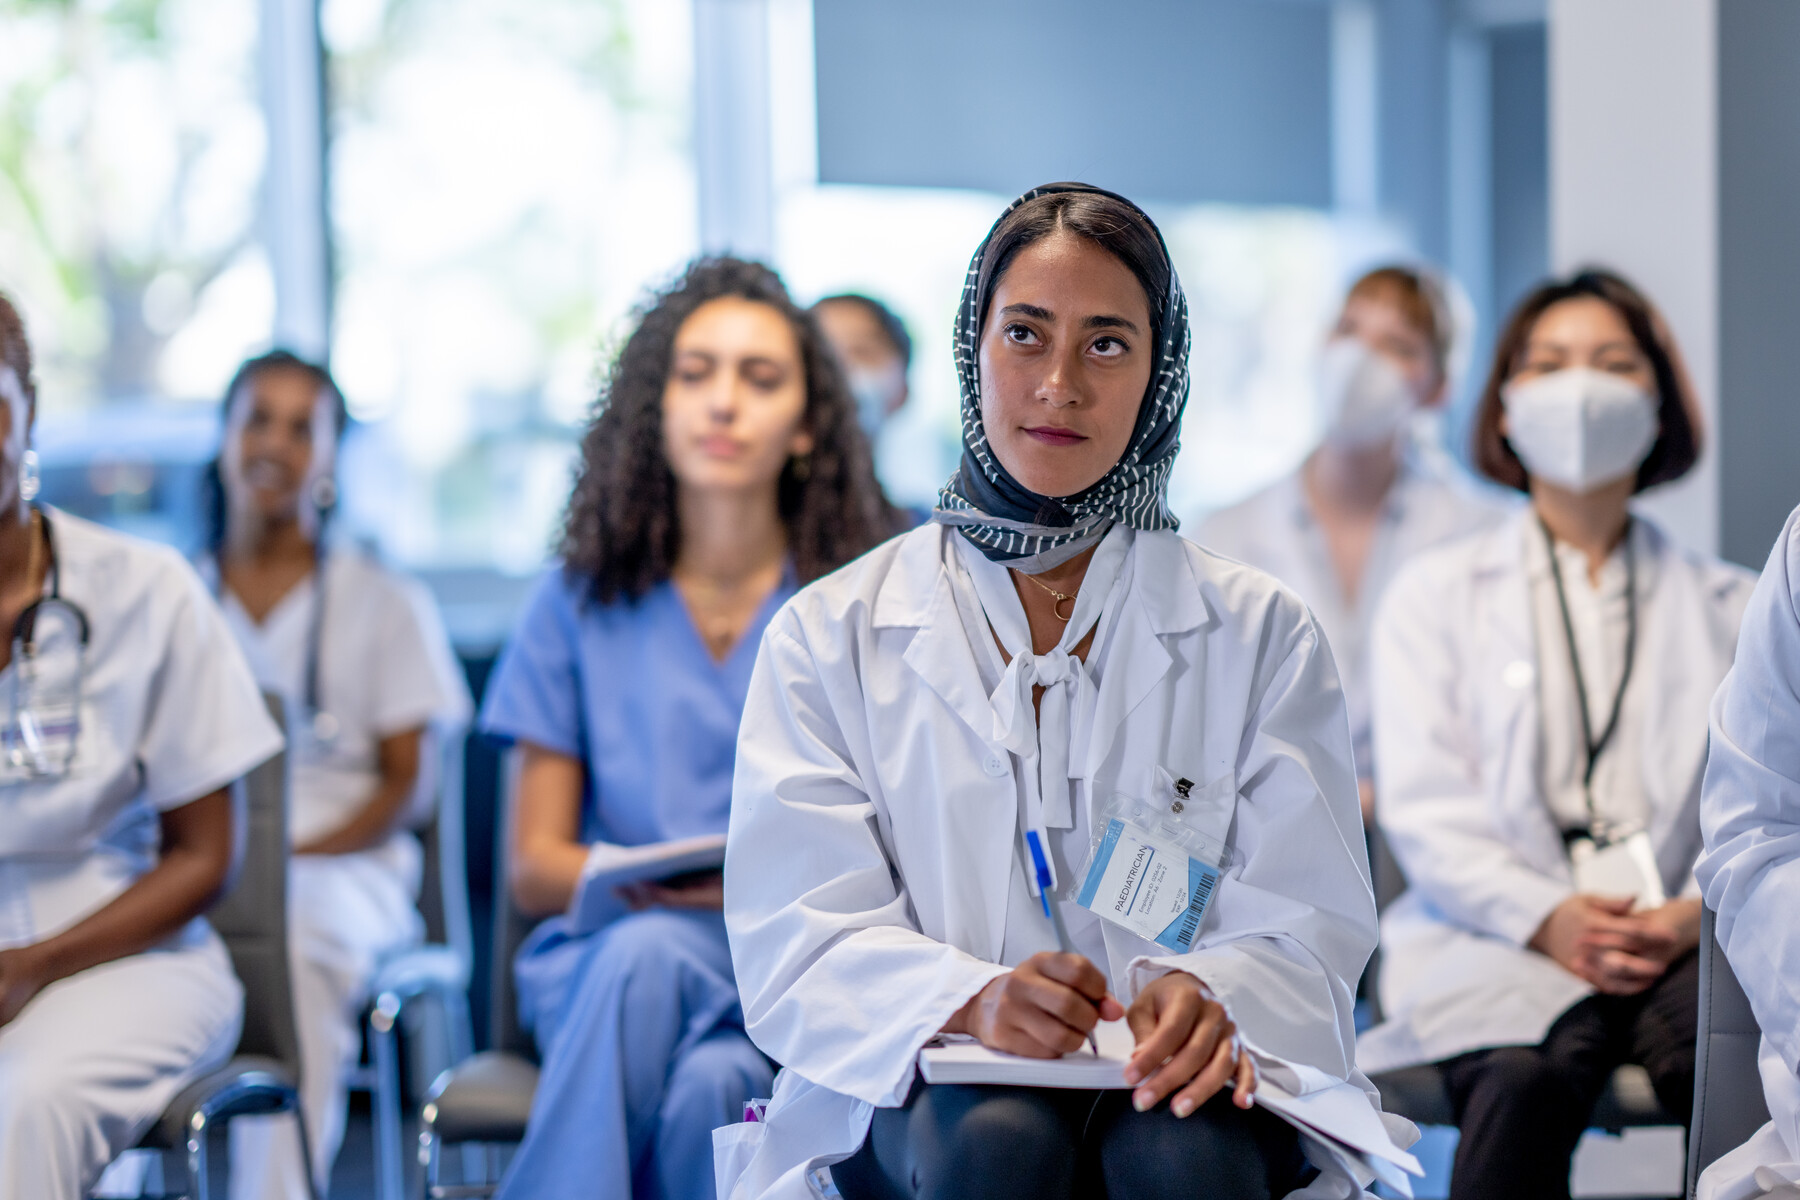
[1620, 952]
[1186, 1044]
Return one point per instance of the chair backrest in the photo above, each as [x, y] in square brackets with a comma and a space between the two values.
[444, 894]
[510, 928]
[252, 916]
[1728, 1096]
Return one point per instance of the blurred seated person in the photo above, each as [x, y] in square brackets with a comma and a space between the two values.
[723, 469]
[1366, 500]
[1541, 694]
[361, 660]
[126, 714]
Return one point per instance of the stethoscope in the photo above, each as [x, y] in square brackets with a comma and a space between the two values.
[325, 727]
[28, 748]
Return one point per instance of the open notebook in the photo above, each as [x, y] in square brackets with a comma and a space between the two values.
[965, 1060]
[610, 867]
[1339, 1114]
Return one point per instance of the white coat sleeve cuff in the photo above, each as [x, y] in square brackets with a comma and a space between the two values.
[1519, 921]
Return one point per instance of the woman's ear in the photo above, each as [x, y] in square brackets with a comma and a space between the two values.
[803, 443]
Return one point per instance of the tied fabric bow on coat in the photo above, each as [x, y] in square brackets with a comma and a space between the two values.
[1066, 711]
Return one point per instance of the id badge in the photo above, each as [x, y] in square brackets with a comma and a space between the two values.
[1151, 870]
[1626, 867]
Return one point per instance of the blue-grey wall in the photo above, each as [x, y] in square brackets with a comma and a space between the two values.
[1759, 273]
[1177, 101]
[1520, 108]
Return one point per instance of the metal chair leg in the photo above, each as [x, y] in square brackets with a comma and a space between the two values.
[199, 1185]
[389, 1180]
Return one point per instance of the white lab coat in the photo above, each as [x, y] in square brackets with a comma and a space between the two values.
[1274, 530]
[169, 713]
[1459, 784]
[874, 830]
[1750, 815]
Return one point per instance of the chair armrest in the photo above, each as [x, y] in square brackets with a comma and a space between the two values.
[245, 1086]
[421, 970]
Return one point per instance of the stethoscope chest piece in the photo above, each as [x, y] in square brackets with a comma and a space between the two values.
[324, 728]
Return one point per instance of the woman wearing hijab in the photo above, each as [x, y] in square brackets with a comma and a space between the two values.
[933, 733]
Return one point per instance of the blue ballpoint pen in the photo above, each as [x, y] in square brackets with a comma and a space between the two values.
[1041, 866]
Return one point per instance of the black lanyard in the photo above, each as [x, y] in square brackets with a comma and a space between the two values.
[1595, 746]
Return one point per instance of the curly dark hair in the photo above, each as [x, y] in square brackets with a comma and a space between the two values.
[621, 530]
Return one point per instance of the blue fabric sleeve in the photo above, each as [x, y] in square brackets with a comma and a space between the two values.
[535, 692]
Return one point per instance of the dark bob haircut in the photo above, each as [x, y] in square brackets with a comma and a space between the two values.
[1113, 224]
[212, 482]
[892, 327]
[1677, 446]
[621, 531]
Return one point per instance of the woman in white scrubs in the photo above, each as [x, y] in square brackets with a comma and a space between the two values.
[926, 721]
[125, 714]
[1368, 498]
[1750, 814]
[1540, 728]
[359, 655]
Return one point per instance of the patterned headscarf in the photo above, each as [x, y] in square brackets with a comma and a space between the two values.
[1022, 529]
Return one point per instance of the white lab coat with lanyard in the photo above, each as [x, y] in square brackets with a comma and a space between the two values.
[357, 644]
[168, 713]
[873, 877]
[1461, 746]
[1750, 812]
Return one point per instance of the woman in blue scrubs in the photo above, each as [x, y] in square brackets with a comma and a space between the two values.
[724, 469]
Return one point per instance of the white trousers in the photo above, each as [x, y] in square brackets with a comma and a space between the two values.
[95, 1058]
[346, 912]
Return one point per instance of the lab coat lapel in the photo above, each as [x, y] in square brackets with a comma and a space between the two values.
[920, 596]
[1507, 680]
[939, 652]
[1162, 597]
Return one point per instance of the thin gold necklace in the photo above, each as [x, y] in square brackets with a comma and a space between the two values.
[1055, 609]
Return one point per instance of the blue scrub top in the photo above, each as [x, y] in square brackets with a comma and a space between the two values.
[629, 689]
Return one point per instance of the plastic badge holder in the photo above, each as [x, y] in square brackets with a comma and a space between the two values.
[1150, 868]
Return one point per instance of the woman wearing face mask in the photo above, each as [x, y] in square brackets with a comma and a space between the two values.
[1365, 501]
[724, 467]
[126, 713]
[362, 662]
[1541, 697]
[930, 739]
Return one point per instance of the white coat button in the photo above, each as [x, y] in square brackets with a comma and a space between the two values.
[994, 765]
[1518, 675]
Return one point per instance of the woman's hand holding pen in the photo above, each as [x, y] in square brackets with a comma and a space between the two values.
[1043, 1008]
[1185, 1041]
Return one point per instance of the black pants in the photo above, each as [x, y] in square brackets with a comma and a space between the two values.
[951, 1141]
[1522, 1109]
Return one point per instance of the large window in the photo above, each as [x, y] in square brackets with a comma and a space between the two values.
[131, 152]
[506, 178]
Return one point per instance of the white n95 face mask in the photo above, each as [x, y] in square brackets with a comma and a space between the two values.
[1363, 398]
[875, 389]
[1579, 428]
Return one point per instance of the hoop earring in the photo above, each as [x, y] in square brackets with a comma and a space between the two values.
[324, 493]
[802, 467]
[30, 480]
